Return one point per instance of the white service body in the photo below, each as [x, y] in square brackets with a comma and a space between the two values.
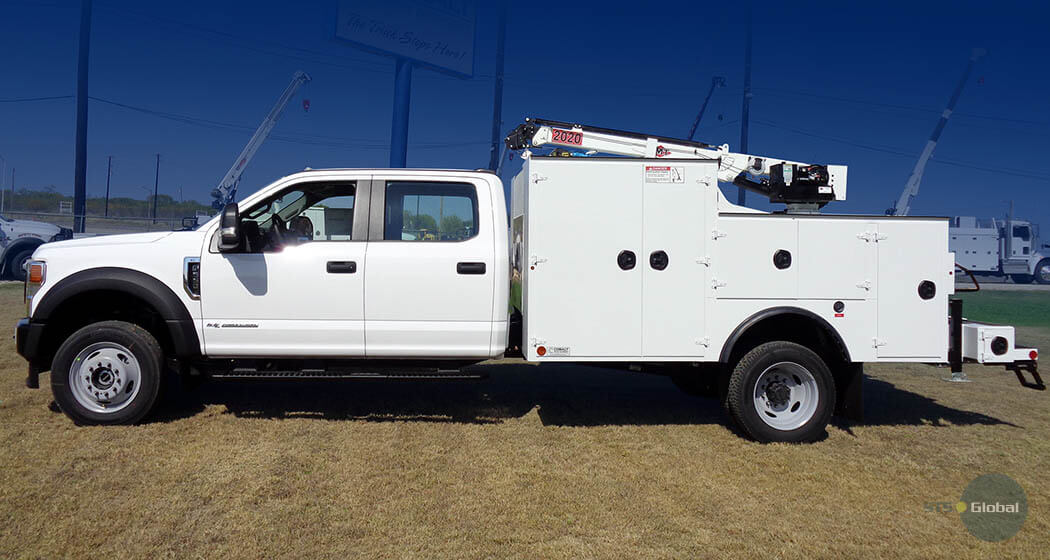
[571, 217]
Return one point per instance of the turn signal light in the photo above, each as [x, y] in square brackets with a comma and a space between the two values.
[36, 273]
[1034, 354]
[541, 351]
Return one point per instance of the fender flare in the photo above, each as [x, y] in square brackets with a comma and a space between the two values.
[143, 286]
[742, 328]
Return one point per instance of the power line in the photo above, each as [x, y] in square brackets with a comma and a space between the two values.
[295, 138]
[27, 99]
[902, 153]
[784, 93]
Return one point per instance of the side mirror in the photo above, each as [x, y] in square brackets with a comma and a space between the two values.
[230, 228]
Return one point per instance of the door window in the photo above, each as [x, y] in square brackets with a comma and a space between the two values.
[302, 214]
[1022, 233]
[430, 211]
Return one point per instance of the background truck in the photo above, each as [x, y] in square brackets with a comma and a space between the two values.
[18, 240]
[634, 262]
[995, 247]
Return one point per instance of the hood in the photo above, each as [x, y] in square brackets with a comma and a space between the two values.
[105, 240]
[26, 228]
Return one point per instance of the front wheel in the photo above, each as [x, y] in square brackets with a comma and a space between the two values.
[781, 391]
[1042, 272]
[17, 266]
[107, 373]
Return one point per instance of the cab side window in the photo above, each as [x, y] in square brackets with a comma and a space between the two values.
[301, 214]
[430, 211]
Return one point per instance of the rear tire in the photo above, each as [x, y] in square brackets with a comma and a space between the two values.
[1021, 278]
[781, 392]
[107, 373]
[1042, 272]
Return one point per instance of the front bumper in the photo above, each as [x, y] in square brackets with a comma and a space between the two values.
[27, 343]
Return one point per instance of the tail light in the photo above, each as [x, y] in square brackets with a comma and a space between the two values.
[36, 274]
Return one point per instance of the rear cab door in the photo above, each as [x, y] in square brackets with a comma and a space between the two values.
[430, 266]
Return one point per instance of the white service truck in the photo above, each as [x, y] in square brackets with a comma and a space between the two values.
[631, 262]
[997, 247]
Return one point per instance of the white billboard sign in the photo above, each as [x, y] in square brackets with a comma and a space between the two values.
[437, 33]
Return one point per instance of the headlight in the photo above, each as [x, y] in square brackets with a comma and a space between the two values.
[36, 273]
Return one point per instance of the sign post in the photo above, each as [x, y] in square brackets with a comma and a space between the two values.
[426, 33]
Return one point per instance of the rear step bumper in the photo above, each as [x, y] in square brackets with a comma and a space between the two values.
[985, 343]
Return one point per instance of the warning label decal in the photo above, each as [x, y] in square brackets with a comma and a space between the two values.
[664, 174]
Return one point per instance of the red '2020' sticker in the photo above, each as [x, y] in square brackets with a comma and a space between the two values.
[567, 137]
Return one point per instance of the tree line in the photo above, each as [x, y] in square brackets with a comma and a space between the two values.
[48, 201]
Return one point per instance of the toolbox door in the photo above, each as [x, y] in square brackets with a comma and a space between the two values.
[913, 285]
[674, 259]
[583, 261]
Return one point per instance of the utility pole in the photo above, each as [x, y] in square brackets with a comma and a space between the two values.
[3, 171]
[717, 81]
[109, 174]
[497, 105]
[741, 195]
[80, 148]
[156, 186]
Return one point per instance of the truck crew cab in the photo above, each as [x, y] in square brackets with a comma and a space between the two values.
[629, 261]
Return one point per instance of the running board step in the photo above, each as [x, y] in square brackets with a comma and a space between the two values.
[252, 373]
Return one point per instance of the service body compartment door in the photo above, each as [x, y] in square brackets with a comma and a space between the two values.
[674, 260]
[745, 248]
[836, 258]
[582, 215]
[912, 319]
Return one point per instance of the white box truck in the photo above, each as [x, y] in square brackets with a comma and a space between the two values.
[633, 262]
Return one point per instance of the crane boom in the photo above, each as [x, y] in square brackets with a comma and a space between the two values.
[801, 186]
[227, 188]
[911, 188]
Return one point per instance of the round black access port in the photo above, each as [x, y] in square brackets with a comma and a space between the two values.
[782, 259]
[999, 346]
[927, 289]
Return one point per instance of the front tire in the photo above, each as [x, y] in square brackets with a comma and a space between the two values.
[107, 373]
[1042, 272]
[781, 392]
[18, 263]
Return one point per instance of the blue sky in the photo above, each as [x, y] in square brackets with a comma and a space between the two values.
[859, 84]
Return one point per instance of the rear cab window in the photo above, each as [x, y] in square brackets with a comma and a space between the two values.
[430, 211]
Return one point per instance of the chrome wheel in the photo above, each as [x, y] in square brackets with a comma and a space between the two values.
[1043, 272]
[105, 377]
[786, 396]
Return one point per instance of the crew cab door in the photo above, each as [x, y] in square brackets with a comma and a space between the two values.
[429, 271]
[303, 296]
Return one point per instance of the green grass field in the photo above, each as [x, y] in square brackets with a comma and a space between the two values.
[1017, 308]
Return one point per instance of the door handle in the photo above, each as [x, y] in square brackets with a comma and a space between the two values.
[342, 267]
[470, 268]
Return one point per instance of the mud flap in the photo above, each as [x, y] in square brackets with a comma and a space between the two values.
[849, 397]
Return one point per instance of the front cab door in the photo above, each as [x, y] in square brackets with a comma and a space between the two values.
[295, 286]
